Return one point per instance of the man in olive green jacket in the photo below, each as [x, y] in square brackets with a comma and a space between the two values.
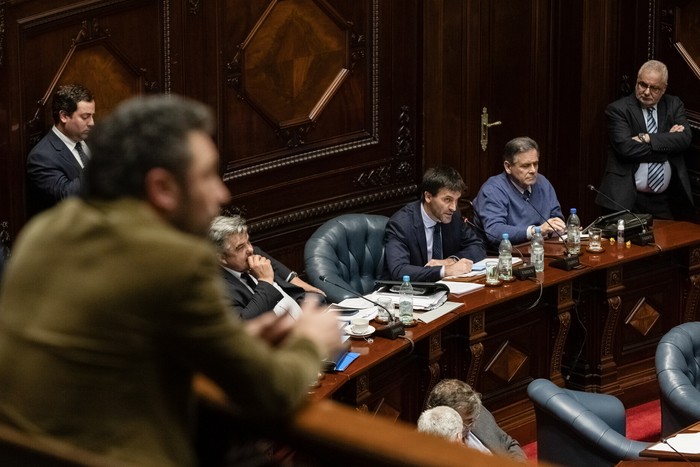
[112, 302]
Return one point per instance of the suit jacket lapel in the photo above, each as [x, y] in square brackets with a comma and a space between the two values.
[420, 232]
[636, 110]
[63, 152]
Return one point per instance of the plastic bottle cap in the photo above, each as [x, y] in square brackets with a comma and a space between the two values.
[407, 278]
[573, 210]
[505, 236]
[537, 229]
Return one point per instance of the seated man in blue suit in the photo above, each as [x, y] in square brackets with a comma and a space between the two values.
[256, 282]
[427, 239]
[56, 163]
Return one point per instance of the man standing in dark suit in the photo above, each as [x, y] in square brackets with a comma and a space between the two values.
[55, 164]
[256, 282]
[428, 240]
[649, 134]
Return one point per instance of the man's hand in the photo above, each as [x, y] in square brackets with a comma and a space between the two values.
[558, 224]
[460, 267]
[677, 129]
[321, 327]
[270, 327]
[261, 268]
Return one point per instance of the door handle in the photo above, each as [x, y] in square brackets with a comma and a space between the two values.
[485, 125]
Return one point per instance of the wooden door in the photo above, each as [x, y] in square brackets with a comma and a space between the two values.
[484, 54]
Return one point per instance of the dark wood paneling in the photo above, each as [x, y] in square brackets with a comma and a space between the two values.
[117, 48]
[289, 168]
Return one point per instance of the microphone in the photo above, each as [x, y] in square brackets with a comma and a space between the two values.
[523, 272]
[642, 238]
[680, 454]
[568, 262]
[392, 330]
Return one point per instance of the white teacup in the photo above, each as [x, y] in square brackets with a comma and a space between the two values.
[359, 325]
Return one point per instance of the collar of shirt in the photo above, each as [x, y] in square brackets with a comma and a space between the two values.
[238, 274]
[70, 144]
[645, 111]
[428, 222]
[475, 443]
[517, 187]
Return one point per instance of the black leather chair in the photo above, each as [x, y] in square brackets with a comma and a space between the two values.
[678, 372]
[576, 428]
[348, 250]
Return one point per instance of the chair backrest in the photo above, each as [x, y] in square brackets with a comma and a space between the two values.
[577, 428]
[678, 373]
[348, 250]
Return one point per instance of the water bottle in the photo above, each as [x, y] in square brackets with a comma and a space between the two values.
[573, 233]
[406, 301]
[537, 250]
[620, 233]
[505, 259]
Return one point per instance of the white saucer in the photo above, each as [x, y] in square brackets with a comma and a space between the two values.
[348, 330]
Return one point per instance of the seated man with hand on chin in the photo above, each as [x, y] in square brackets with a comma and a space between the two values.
[256, 282]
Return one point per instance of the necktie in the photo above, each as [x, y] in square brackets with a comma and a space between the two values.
[437, 241]
[526, 195]
[248, 280]
[81, 152]
[655, 176]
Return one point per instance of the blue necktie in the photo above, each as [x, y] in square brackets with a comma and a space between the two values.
[437, 241]
[655, 176]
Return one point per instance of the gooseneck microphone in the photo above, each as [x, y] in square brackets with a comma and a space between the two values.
[644, 237]
[392, 330]
[680, 454]
[569, 261]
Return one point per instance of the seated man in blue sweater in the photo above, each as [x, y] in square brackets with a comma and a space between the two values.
[517, 200]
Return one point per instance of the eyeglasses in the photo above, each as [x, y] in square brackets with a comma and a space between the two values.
[652, 89]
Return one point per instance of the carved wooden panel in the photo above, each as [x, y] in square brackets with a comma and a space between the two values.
[116, 48]
[308, 128]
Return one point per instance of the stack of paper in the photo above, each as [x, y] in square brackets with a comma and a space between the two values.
[420, 302]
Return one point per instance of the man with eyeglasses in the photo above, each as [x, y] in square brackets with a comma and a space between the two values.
[649, 134]
[479, 429]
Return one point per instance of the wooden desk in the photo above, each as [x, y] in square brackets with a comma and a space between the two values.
[649, 452]
[502, 338]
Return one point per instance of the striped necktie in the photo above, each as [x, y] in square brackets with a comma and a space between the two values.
[655, 176]
[81, 152]
[437, 241]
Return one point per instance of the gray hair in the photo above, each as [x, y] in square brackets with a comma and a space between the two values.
[517, 146]
[441, 421]
[658, 67]
[222, 227]
[456, 394]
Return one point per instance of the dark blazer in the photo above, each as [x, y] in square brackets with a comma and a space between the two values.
[493, 437]
[53, 174]
[265, 296]
[625, 120]
[406, 249]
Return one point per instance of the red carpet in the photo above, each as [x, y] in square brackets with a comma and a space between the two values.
[643, 424]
